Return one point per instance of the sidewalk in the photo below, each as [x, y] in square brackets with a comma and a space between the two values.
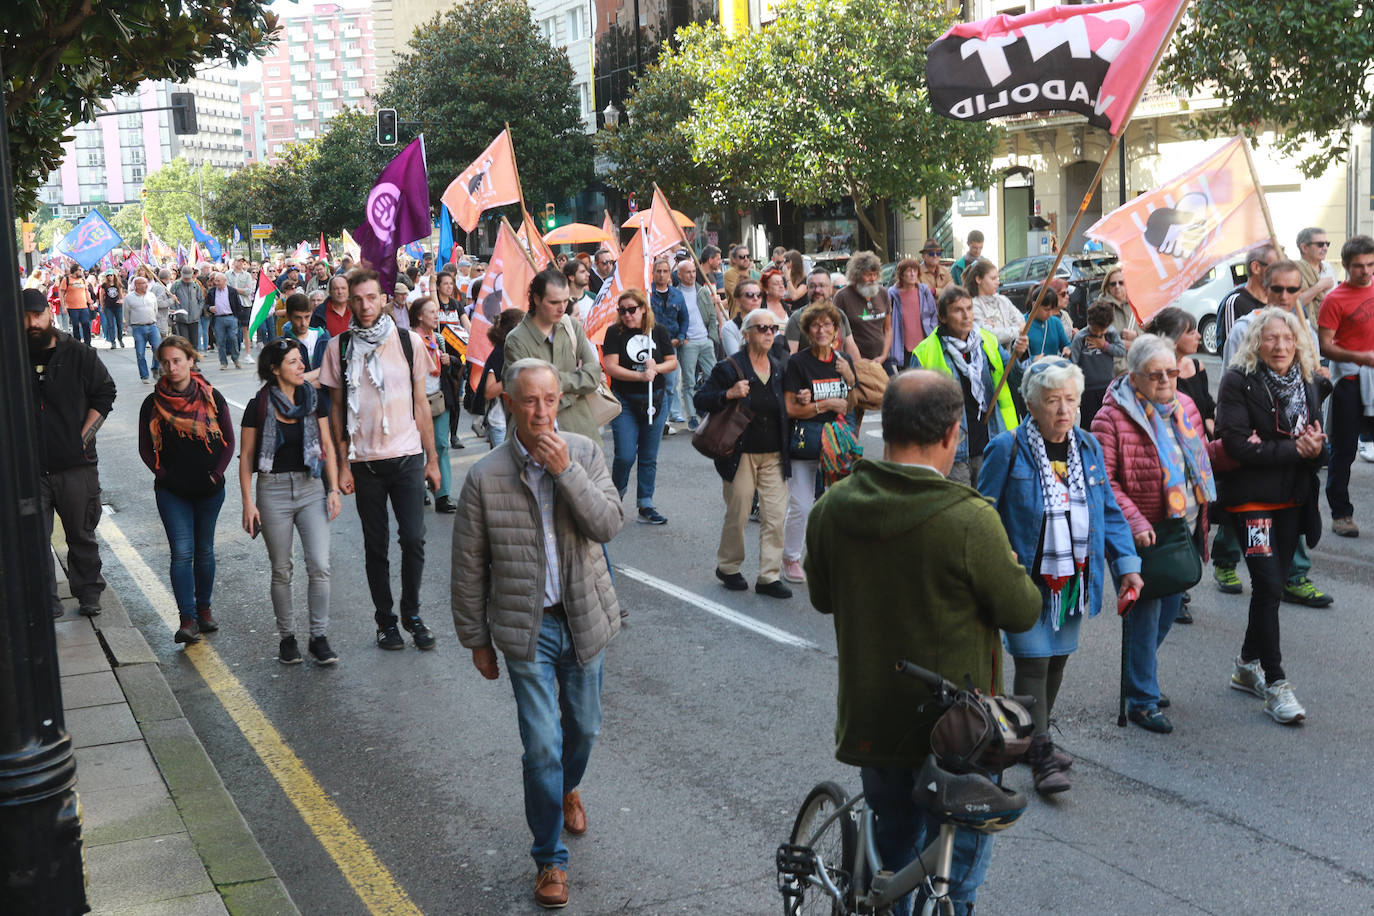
[161, 833]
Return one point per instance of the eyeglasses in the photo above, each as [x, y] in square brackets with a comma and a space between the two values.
[754, 295]
[764, 328]
[934, 252]
[1159, 376]
[1320, 244]
[1284, 289]
[1117, 283]
[628, 311]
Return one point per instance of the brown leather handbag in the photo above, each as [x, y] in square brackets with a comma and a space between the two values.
[718, 435]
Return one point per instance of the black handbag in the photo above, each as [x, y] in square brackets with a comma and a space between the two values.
[1172, 563]
[805, 444]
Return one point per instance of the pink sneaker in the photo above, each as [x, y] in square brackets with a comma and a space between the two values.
[792, 571]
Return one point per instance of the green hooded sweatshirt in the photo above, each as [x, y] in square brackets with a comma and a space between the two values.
[912, 566]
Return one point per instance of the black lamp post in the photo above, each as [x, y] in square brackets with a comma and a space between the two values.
[41, 863]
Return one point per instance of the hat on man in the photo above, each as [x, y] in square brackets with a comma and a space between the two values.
[34, 301]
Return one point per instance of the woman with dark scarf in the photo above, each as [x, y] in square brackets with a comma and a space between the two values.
[1269, 423]
[186, 440]
[286, 442]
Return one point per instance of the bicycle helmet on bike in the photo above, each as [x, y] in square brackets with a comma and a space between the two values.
[967, 800]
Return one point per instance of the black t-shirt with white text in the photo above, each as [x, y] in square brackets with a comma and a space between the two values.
[820, 377]
[617, 342]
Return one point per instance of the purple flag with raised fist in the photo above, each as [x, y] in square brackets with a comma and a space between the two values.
[397, 212]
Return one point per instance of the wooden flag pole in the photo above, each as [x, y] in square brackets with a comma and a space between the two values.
[701, 274]
[515, 164]
[505, 222]
[1269, 220]
[1092, 187]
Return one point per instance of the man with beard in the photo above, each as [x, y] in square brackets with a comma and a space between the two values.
[73, 393]
[865, 303]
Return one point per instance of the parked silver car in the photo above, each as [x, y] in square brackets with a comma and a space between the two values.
[1204, 297]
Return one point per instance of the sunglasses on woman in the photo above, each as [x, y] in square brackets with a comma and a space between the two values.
[629, 310]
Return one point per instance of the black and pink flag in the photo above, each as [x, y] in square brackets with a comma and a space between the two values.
[397, 212]
[1091, 60]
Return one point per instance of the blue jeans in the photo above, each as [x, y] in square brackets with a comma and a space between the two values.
[902, 829]
[190, 526]
[112, 324]
[694, 356]
[204, 331]
[441, 447]
[671, 407]
[495, 436]
[227, 339]
[1146, 626]
[81, 324]
[558, 702]
[637, 437]
[145, 335]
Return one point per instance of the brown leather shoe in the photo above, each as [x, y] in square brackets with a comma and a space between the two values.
[551, 887]
[574, 815]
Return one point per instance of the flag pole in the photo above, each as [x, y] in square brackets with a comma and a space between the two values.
[1268, 220]
[519, 185]
[701, 272]
[505, 222]
[1092, 188]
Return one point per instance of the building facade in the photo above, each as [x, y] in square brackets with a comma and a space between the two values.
[567, 24]
[322, 63]
[254, 128]
[219, 139]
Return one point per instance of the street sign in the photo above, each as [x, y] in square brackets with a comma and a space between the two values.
[262, 230]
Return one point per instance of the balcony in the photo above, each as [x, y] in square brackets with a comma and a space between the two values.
[301, 95]
[351, 32]
[354, 73]
[329, 93]
[324, 35]
[353, 52]
[355, 93]
[326, 54]
[327, 75]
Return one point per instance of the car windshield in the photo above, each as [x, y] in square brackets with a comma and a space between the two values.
[1093, 267]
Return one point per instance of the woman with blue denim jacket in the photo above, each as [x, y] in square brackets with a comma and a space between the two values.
[1051, 488]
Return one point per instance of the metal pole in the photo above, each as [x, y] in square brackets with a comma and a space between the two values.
[40, 827]
[1121, 173]
[200, 192]
[639, 59]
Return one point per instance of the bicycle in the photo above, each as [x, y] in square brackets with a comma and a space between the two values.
[830, 863]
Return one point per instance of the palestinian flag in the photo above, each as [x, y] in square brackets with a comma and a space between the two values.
[263, 303]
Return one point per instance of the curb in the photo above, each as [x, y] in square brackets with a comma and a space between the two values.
[239, 870]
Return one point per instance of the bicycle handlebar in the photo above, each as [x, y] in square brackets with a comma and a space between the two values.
[934, 681]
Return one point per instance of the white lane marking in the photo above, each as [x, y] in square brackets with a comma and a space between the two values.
[720, 610]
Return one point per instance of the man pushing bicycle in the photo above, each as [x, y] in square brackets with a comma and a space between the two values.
[959, 584]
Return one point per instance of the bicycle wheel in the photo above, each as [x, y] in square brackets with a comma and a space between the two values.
[834, 846]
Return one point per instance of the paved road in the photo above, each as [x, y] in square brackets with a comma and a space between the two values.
[714, 733]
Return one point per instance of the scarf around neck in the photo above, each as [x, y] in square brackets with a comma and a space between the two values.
[967, 357]
[302, 410]
[191, 414]
[1290, 394]
[1182, 453]
[1064, 546]
[364, 345]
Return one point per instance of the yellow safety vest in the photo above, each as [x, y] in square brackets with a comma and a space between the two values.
[930, 353]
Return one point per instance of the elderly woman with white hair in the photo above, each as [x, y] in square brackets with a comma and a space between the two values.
[1269, 423]
[1049, 482]
[1155, 452]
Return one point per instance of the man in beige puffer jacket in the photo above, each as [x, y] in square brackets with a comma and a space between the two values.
[530, 578]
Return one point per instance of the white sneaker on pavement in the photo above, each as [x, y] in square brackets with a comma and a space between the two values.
[1367, 451]
[1282, 705]
[1248, 678]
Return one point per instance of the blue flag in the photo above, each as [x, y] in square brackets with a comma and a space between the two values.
[206, 239]
[91, 240]
[237, 236]
[414, 251]
[181, 255]
[445, 254]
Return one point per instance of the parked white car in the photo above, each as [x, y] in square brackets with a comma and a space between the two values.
[1204, 297]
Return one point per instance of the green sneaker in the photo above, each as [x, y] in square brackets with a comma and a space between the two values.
[1302, 591]
[1227, 580]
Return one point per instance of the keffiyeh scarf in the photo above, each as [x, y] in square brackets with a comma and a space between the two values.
[1289, 393]
[967, 358]
[363, 356]
[1064, 544]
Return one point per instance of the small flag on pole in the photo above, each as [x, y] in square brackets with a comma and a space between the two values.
[263, 302]
[491, 181]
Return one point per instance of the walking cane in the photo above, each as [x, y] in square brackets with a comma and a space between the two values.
[1123, 607]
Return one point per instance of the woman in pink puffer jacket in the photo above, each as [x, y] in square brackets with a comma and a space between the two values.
[1156, 459]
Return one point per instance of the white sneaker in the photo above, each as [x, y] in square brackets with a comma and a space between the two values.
[1367, 451]
[1282, 705]
[1248, 677]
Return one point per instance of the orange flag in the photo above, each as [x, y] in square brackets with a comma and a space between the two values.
[613, 231]
[509, 271]
[662, 233]
[479, 347]
[631, 272]
[534, 242]
[1169, 238]
[490, 181]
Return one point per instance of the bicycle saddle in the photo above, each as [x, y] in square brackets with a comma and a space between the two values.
[967, 800]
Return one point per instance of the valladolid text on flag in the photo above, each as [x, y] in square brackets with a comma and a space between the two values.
[491, 181]
[264, 300]
[1092, 60]
[1170, 237]
[397, 211]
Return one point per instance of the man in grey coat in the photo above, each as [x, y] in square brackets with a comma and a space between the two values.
[188, 302]
[530, 578]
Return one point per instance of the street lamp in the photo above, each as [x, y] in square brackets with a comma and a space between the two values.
[611, 115]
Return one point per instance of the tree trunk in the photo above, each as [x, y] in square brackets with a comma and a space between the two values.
[875, 226]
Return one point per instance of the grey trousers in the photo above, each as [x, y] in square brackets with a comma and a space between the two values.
[287, 501]
[75, 496]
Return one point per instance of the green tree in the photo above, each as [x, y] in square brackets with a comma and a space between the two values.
[174, 191]
[128, 222]
[654, 143]
[51, 232]
[1303, 69]
[830, 101]
[62, 57]
[469, 71]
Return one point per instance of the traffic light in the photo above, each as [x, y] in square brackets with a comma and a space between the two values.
[183, 113]
[549, 219]
[386, 127]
